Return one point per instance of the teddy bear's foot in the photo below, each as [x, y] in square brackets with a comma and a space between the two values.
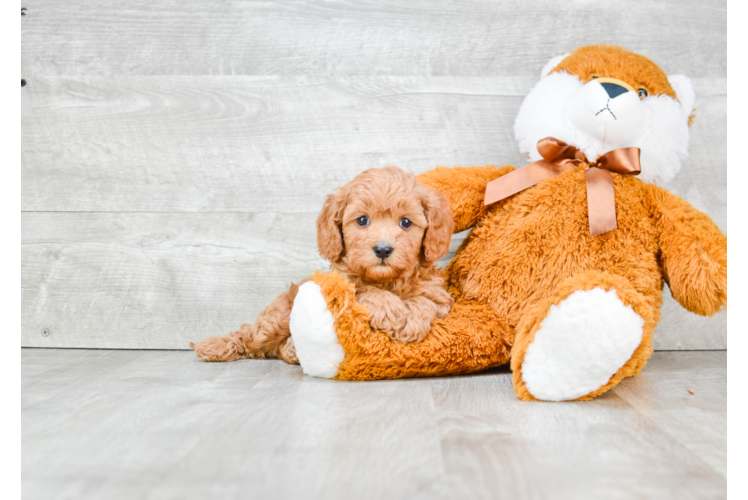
[580, 345]
[591, 333]
[313, 332]
[333, 338]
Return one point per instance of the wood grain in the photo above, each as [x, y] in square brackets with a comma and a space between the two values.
[280, 144]
[175, 153]
[248, 144]
[156, 280]
[134, 424]
[694, 380]
[160, 281]
[318, 37]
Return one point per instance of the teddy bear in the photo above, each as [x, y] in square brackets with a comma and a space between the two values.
[562, 272]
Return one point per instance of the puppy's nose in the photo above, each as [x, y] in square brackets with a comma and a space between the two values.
[383, 250]
[613, 89]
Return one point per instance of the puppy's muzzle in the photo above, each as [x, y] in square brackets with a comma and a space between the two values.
[383, 250]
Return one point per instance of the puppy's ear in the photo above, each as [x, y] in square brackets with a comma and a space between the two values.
[440, 226]
[329, 233]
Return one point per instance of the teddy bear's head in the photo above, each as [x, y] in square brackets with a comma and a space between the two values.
[602, 97]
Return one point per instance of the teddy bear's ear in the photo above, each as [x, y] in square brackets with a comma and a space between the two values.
[684, 90]
[553, 63]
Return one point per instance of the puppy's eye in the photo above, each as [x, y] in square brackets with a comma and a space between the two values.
[362, 221]
[405, 223]
[642, 92]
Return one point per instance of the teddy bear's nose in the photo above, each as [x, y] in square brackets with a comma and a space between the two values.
[383, 250]
[613, 89]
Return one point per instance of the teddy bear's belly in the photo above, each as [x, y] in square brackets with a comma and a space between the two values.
[525, 247]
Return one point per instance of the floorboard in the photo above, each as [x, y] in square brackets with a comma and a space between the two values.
[163, 424]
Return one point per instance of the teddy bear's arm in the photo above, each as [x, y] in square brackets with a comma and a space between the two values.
[693, 252]
[464, 187]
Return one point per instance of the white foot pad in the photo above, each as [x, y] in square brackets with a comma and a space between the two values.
[580, 344]
[313, 332]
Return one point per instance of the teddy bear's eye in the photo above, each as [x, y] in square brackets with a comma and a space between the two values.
[642, 92]
[594, 77]
[405, 223]
[362, 221]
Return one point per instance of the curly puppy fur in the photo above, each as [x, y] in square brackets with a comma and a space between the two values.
[383, 231]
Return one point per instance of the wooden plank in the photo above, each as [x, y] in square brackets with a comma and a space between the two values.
[156, 280]
[695, 423]
[682, 330]
[260, 144]
[617, 447]
[418, 37]
[160, 281]
[147, 417]
[133, 424]
[257, 144]
[111, 123]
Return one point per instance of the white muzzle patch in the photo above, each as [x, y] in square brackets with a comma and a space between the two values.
[586, 116]
[612, 120]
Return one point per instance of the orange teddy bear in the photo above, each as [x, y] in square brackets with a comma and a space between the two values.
[562, 273]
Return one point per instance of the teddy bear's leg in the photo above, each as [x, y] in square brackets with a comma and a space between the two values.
[592, 332]
[333, 339]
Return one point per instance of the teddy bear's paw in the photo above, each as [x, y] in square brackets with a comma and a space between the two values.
[580, 344]
[313, 332]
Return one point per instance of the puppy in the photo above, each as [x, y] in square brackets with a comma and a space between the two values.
[384, 231]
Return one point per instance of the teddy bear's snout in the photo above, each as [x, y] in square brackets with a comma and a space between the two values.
[608, 111]
[614, 89]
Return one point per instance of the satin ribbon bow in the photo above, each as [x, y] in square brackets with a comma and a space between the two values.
[559, 157]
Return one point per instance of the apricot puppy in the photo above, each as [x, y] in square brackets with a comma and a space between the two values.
[384, 231]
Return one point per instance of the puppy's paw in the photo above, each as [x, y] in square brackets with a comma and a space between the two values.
[443, 304]
[388, 313]
[287, 352]
[415, 330]
[221, 348]
[389, 321]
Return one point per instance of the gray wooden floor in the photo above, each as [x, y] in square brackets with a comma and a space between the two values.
[163, 424]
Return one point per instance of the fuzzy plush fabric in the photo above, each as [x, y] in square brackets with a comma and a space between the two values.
[616, 338]
[565, 105]
[471, 338]
[316, 343]
[527, 255]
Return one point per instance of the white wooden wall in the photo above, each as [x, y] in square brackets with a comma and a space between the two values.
[175, 153]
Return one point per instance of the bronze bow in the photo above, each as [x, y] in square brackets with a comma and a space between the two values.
[558, 157]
